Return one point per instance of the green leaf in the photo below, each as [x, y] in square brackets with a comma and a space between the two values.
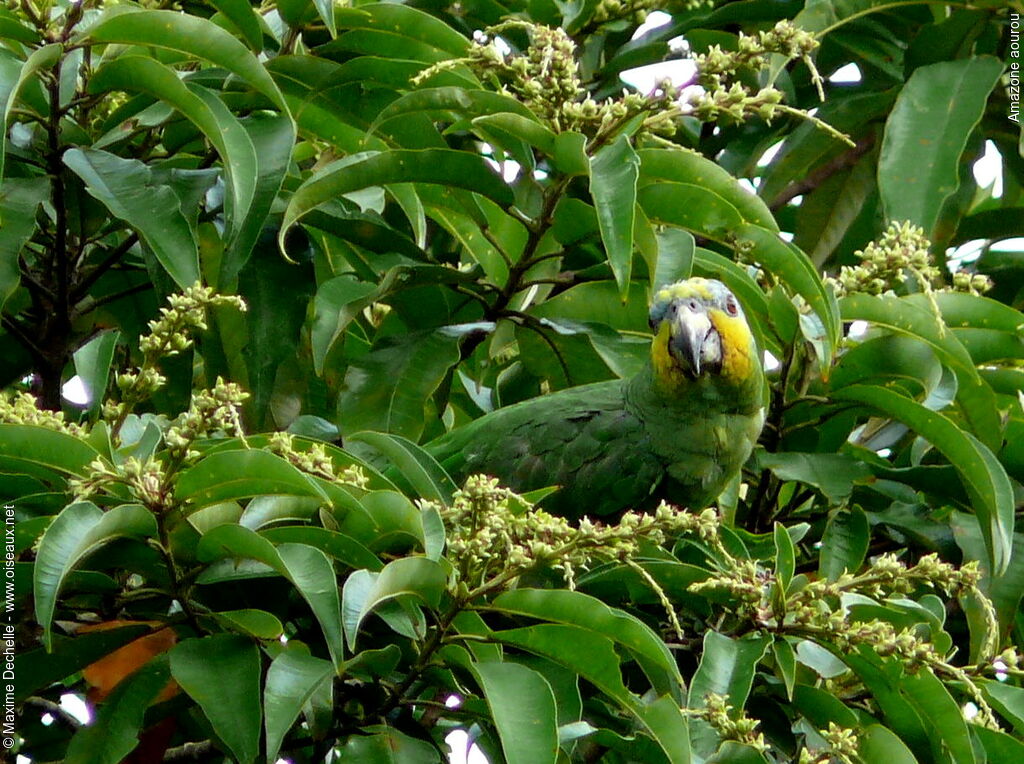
[188, 34]
[92, 364]
[364, 590]
[254, 623]
[523, 709]
[77, 531]
[446, 167]
[306, 567]
[19, 200]
[676, 249]
[239, 474]
[222, 674]
[910, 316]
[383, 745]
[844, 544]
[425, 476]
[292, 679]
[338, 301]
[127, 189]
[785, 558]
[835, 475]
[388, 388]
[452, 103]
[13, 79]
[332, 543]
[614, 170]
[578, 609]
[201, 107]
[727, 668]
[28, 448]
[998, 745]
[675, 166]
[878, 743]
[241, 14]
[941, 713]
[593, 657]
[926, 134]
[405, 25]
[982, 474]
[115, 731]
[272, 139]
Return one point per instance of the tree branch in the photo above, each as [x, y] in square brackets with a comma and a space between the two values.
[841, 162]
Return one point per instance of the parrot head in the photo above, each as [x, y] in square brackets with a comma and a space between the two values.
[700, 332]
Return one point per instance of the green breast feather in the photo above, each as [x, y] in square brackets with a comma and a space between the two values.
[679, 430]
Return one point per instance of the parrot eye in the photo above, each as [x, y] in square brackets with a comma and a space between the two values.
[731, 307]
[693, 305]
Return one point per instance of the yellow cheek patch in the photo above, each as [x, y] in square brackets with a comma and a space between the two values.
[695, 287]
[737, 345]
[664, 366]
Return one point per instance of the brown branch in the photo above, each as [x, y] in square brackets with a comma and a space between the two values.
[113, 258]
[841, 162]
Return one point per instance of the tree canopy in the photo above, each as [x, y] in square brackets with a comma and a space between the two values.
[282, 246]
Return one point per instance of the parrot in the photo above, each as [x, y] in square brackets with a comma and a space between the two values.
[678, 431]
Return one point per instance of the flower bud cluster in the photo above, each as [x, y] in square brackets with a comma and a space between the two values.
[718, 66]
[316, 461]
[212, 411]
[493, 532]
[147, 481]
[971, 283]
[169, 335]
[23, 408]
[730, 725]
[637, 10]
[842, 747]
[546, 79]
[726, 100]
[901, 251]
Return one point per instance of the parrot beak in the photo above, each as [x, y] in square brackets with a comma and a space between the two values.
[694, 342]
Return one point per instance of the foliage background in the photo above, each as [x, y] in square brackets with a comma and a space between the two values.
[310, 159]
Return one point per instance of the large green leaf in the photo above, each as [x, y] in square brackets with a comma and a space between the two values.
[239, 474]
[14, 77]
[77, 531]
[292, 679]
[366, 591]
[126, 187]
[982, 474]
[593, 657]
[388, 388]
[27, 448]
[307, 567]
[403, 27]
[200, 106]
[425, 476]
[92, 364]
[523, 709]
[927, 132]
[452, 102]
[614, 170]
[444, 167]
[19, 200]
[727, 667]
[578, 609]
[222, 674]
[193, 35]
[675, 166]
[911, 316]
[242, 15]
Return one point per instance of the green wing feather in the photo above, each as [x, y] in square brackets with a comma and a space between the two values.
[583, 439]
